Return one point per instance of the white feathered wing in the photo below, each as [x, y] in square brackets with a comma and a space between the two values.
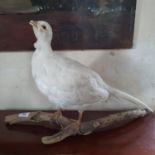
[68, 83]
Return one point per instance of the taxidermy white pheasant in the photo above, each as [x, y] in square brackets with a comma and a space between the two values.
[66, 82]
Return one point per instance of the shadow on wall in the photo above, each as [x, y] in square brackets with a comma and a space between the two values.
[121, 71]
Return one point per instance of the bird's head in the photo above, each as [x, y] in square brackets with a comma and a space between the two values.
[42, 30]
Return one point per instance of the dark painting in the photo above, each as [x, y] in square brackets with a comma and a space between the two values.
[77, 24]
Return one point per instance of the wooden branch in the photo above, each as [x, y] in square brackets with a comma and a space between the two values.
[68, 127]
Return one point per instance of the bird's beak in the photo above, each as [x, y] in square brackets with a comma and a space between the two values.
[33, 23]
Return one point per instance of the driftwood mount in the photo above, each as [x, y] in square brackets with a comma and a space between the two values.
[67, 127]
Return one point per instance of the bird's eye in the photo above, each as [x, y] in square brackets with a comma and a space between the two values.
[44, 27]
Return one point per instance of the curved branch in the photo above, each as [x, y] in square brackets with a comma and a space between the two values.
[68, 127]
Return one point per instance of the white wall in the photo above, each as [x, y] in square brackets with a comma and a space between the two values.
[130, 70]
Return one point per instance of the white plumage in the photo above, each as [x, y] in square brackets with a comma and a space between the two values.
[66, 82]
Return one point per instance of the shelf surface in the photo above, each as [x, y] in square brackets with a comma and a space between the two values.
[138, 137]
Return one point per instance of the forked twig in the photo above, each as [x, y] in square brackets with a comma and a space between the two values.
[68, 127]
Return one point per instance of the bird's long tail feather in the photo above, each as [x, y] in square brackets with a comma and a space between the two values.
[120, 94]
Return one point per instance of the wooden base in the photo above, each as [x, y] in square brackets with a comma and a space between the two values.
[135, 138]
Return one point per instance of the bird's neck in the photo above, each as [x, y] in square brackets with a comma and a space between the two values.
[42, 46]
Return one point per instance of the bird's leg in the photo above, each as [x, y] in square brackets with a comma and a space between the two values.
[80, 117]
[77, 123]
[59, 112]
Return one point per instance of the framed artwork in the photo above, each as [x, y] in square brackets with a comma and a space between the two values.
[77, 24]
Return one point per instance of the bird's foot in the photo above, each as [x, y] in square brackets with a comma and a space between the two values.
[58, 114]
[75, 126]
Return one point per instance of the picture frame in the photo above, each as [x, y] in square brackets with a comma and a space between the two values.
[77, 24]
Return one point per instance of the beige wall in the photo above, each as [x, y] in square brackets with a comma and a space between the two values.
[130, 70]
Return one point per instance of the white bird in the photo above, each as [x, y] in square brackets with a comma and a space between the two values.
[66, 82]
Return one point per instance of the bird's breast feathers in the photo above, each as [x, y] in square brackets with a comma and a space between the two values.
[66, 83]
